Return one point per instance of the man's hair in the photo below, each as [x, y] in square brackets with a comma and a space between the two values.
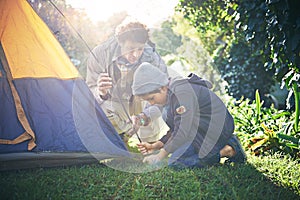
[133, 31]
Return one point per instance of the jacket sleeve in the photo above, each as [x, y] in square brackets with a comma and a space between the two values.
[185, 114]
[166, 137]
[151, 55]
[159, 62]
[152, 111]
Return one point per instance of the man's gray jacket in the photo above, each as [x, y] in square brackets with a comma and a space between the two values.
[107, 58]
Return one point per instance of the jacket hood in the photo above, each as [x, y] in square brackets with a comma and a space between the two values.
[193, 79]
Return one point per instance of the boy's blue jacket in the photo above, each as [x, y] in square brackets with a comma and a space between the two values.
[196, 116]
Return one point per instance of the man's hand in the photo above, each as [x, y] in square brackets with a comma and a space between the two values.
[104, 83]
[137, 121]
[135, 125]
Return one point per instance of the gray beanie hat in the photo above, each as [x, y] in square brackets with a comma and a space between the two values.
[148, 78]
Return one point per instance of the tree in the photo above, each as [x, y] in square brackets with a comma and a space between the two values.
[165, 39]
[269, 30]
[105, 29]
[239, 63]
[273, 27]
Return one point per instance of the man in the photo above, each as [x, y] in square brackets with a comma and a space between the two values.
[110, 71]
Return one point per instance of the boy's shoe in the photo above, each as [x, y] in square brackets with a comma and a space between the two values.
[240, 156]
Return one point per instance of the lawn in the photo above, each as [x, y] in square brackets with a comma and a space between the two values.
[268, 177]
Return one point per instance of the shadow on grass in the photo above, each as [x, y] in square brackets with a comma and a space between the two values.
[241, 182]
[227, 181]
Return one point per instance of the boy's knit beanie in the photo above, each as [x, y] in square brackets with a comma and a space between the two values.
[148, 78]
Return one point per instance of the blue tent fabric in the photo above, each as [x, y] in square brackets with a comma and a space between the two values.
[10, 127]
[63, 115]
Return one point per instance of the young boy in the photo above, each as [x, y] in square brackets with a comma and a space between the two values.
[201, 128]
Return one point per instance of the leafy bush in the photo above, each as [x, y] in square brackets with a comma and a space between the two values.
[265, 130]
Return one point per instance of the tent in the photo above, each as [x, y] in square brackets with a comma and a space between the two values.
[48, 116]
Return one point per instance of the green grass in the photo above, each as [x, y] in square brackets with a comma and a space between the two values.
[271, 177]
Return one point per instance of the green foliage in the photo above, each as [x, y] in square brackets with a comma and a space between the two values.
[213, 19]
[238, 61]
[273, 27]
[278, 37]
[181, 44]
[269, 131]
[165, 39]
[292, 82]
[243, 69]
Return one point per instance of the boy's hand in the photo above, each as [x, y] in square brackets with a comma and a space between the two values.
[154, 159]
[145, 148]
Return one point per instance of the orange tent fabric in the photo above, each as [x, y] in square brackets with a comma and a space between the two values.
[46, 56]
